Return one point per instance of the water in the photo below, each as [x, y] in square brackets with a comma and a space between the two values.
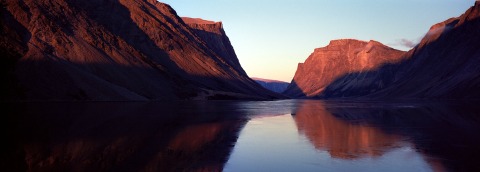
[289, 135]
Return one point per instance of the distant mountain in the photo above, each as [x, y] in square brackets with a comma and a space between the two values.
[444, 65]
[272, 85]
[115, 50]
[336, 60]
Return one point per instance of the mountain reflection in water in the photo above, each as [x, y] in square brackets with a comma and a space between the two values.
[120, 136]
[301, 135]
[341, 139]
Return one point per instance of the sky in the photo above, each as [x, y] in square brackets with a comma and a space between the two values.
[271, 37]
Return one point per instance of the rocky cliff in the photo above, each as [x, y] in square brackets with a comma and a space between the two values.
[336, 60]
[272, 85]
[215, 38]
[444, 65]
[115, 50]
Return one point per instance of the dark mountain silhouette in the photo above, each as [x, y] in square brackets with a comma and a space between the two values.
[444, 65]
[272, 85]
[115, 50]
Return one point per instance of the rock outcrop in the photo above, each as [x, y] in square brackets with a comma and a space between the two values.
[339, 58]
[272, 85]
[115, 50]
[444, 65]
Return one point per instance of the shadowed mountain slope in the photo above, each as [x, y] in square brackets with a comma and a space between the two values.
[115, 50]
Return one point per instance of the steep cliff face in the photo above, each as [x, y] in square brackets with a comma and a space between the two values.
[336, 60]
[272, 85]
[444, 65]
[114, 50]
[214, 37]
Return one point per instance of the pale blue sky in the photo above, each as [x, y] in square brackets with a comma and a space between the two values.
[272, 37]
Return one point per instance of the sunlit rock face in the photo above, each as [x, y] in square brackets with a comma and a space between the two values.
[339, 58]
[340, 138]
[214, 37]
[116, 50]
[444, 65]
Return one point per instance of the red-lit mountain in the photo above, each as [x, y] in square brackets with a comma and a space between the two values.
[336, 60]
[444, 65]
[115, 50]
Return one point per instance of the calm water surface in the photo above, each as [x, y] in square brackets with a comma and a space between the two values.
[290, 135]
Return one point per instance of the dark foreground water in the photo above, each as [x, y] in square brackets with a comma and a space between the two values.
[290, 135]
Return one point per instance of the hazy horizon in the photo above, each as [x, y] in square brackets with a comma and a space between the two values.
[271, 47]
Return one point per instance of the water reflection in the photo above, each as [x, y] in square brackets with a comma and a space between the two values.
[293, 135]
[445, 133]
[120, 136]
[340, 138]
[363, 136]
[313, 139]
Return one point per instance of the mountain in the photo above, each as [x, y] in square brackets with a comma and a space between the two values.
[116, 50]
[272, 85]
[336, 60]
[444, 65]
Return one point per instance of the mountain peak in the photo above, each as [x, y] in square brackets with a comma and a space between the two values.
[373, 42]
[204, 25]
[352, 43]
[345, 41]
[476, 8]
[189, 20]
